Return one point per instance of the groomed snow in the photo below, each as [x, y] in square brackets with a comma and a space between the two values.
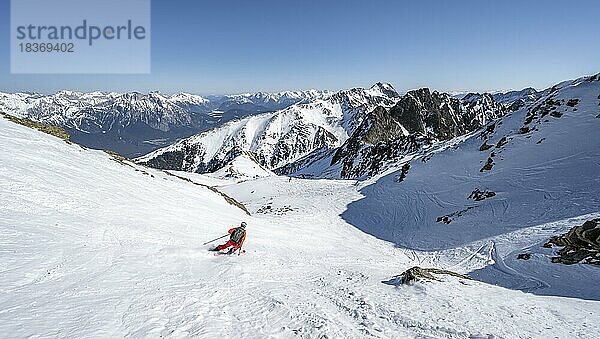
[95, 248]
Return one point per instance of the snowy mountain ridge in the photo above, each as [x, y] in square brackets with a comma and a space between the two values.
[514, 100]
[418, 120]
[292, 139]
[277, 100]
[136, 123]
[277, 138]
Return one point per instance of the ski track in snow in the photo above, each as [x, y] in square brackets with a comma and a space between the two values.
[93, 248]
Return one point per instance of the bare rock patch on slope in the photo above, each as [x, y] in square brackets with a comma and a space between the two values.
[417, 273]
[580, 245]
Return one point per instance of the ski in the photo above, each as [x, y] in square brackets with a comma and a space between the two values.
[219, 253]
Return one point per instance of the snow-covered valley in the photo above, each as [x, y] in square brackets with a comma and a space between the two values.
[96, 246]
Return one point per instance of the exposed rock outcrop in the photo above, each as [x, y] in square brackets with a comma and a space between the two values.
[419, 118]
[580, 245]
[420, 274]
[379, 138]
[478, 195]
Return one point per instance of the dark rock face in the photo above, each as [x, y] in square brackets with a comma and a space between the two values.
[377, 132]
[489, 129]
[419, 118]
[174, 160]
[594, 78]
[517, 105]
[524, 130]
[378, 139]
[580, 245]
[420, 110]
[549, 106]
[371, 159]
[443, 117]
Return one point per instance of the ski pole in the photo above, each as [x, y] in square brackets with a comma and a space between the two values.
[208, 242]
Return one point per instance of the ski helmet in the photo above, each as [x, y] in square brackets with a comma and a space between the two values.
[244, 224]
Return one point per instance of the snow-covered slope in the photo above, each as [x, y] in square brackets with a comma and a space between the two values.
[536, 156]
[279, 138]
[92, 247]
[84, 236]
[534, 166]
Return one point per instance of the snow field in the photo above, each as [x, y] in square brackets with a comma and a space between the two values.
[96, 248]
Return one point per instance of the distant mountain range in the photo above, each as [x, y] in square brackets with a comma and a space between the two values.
[134, 123]
[347, 134]
[282, 129]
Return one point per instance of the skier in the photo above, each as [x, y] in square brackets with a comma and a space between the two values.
[236, 239]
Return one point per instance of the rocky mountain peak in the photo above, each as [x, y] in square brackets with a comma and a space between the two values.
[278, 138]
[419, 118]
[385, 89]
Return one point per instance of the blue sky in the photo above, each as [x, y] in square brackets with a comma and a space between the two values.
[215, 47]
